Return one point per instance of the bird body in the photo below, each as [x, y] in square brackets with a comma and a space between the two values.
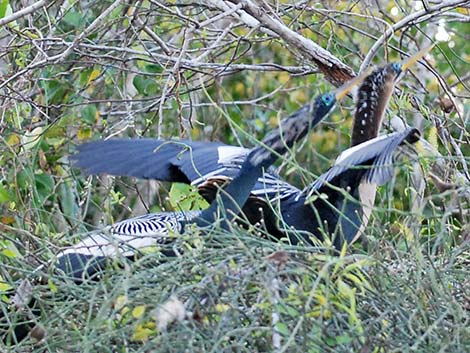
[317, 219]
[125, 238]
[336, 204]
[241, 167]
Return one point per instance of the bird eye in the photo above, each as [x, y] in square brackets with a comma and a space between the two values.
[327, 99]
[396, 67]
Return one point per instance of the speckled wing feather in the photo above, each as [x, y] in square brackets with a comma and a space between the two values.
[374, 157]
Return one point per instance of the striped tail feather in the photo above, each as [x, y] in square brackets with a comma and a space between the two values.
[123, 239]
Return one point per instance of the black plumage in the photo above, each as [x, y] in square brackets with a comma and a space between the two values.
[333, 204]
[173, 169]
[316, 219]
[125, 238]
[208, 165]
[176, 164]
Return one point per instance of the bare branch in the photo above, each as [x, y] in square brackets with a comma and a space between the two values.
[69, 50]
[26, 11]
[414, 18]
[334, 69]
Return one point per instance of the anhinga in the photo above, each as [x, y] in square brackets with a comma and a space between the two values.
[204, 164]
[125, 238]
[147, 230]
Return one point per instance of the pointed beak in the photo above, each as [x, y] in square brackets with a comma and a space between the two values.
[413, 59]
[344, 90]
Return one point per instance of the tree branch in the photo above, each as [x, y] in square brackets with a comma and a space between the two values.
[26, 11]
[414, 18]
[334, 69]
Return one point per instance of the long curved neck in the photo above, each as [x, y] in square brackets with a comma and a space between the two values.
[234, 196]
[372, 99]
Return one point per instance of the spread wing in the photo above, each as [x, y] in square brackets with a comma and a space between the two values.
[373, 159]
[197, 163]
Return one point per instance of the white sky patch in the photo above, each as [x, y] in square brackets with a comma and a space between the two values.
[394, 11]
[418, 5]
[442, 35]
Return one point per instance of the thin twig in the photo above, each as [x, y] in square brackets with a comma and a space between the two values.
[64, 54]
[414, 18]
[26, 11]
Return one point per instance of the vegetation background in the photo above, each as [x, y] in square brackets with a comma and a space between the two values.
[219, 70]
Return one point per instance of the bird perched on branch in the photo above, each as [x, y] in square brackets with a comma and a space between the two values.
[206, 164]
[125, 238]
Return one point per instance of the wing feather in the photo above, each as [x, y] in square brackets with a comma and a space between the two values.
[374, 156]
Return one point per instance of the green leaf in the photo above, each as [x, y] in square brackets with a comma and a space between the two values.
[56, 91]
[152, 88]
[3, 8]
[52, 286]
[44, 185]
[140, 84]
[23, 179]
[84, 133]
[292, 311]
[185, 197]
[138, 311]
[9, 253]
[153, 68]
[67, 202]
[343, 339]
[73, 19]
[4, 195]
[4, 286]
[282, 329]
[145, 86]
[90, 114]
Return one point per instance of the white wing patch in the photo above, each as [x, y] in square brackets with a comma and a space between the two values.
[367, 192]
[218, 173]
[228, 153]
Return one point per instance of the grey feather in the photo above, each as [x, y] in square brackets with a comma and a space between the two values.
[376, 155]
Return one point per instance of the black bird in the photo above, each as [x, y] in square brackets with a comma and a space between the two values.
[337, 205]
[125, 238]
[205, 164]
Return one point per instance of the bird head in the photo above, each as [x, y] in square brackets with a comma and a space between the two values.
[397, 67]
[298, 124]
[323, 104]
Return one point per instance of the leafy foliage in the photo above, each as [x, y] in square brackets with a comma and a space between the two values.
[72, 71]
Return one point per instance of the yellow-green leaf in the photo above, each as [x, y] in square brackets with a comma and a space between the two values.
[84, 133]
[141, 333]
[138, 311]
[9, 253]
[94, 75]
[52, 286]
